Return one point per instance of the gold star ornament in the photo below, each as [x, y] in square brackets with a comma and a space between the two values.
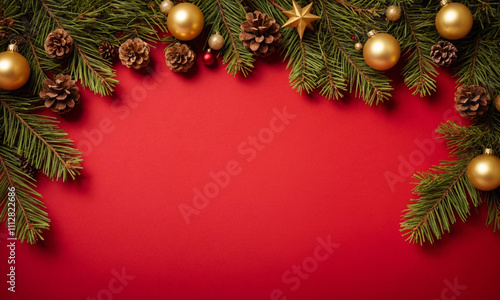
[300, 17]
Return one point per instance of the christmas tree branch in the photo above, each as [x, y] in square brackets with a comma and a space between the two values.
[333, 83]
[30, 218]
[35, 135]
[419, 71]
[493, 219]
[239, 62]
[367, 83]
[84, 68]
[357, 9]
[225, 17]
[6, 172]
[443, 192]
[474, 60]
[40, 74]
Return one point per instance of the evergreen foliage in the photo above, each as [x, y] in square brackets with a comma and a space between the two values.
[324, 60]
[37, 138]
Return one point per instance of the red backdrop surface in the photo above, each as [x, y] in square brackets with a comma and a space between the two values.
[307, 212]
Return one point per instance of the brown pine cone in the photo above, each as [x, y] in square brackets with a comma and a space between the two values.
[471, 101]
[60, 94]
[59, 44]
[179, 57]
[134, 53]
[444, 53]
[107, 51]
[260, 34]
[26, 167]
[5, 24]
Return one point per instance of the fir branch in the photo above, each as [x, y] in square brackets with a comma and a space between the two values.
[39, 140]
[302, 54]
[239, 63]
[87, 66]
[370, 85]
[331, 79]
[31, 219]
[225, 17]
[273, 2]
[357, 9]
[417, 35]
[443, 192]
[493, 200]
[35, 56]
[333, 83]
[474, 60]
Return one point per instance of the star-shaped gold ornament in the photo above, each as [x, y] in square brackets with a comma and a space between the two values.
[300, 17]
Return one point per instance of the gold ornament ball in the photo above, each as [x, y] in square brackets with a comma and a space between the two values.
[166, 6]
[496, 102]
[381, 51]
[14, 69]
[393, 13]
[358, 46]
[216, 41]
[454, 21]
[185, 21]
[484, 171]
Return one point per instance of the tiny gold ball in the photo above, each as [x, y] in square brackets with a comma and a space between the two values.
[393, 13]
[165, 6]
[358, 46]
[216, 41]
[496, 102]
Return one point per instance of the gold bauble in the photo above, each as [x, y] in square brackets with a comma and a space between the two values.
[358, 46]
[166, 6]
[393, 13]
[185, 21]
[381, 51]
[14, 69]
[484, 171]
[216, 41]
[496, 102]
[454, 20]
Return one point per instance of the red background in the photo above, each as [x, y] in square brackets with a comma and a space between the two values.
[322, 176]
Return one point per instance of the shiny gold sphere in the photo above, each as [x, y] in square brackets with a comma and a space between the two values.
[185, 21]
[166, 6]
[454, 21]
[14, 70]
[484, 172]
[358, 46]
[496, 102]
[216, 41]
[393, 13]
[381, 51]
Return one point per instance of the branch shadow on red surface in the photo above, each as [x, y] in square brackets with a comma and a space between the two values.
[451, 240]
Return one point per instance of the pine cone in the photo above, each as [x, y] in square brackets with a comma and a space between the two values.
[5, 22]
[107, 51]
[60, 94]
[180, 57]
[59, 44]
[260, 33]
[444, 53]
[26, 167]
[471, 101]
[19, 40]
[134, 53]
